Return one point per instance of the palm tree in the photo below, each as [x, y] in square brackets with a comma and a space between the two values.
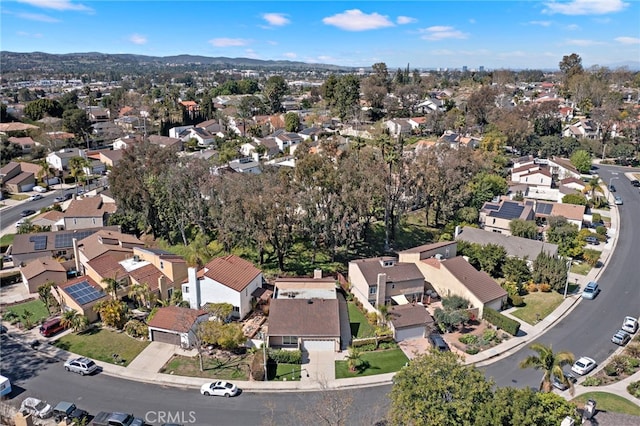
[112, 286]
[140, 293]
[73, 320]
[77, 166]
[592, 186]
[550, 363]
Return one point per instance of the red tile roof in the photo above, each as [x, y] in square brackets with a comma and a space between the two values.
[175, 318]
[232, 271]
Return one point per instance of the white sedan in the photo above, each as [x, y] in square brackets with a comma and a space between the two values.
[35, 197]
[630, 325]
[36, 407]
[583, 366]
[219, 388]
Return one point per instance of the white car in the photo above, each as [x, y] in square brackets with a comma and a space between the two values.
[630, 325]
[36, 407]
[35, 197]
[40, 189]
[583, 366]
[219, 388]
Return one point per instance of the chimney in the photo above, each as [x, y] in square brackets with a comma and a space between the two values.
[162, 287]
[381, 293]
[194, 289]
[76, 254]
[317, 274]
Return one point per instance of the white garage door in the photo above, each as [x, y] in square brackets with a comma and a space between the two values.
[409, 333]
[318, 345]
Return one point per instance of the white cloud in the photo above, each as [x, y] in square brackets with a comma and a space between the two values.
[585, 7]
[401, 20]
[137, 39]
[276, 19]
[250, 53]
[37, 17]
[31, 35]
[61, 5]
[290, 55]
[541, 23]
[355, 20]
[628, 40]
[441, 32]
[583, 42]
[228, 42]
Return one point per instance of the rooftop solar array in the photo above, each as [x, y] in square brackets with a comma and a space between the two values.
[65, 240]
[40, 242]
[544, 208]
[491, 207]
[508, 210]
[83, 292]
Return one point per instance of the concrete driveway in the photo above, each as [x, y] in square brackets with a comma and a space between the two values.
[153, 357]
[415, 347]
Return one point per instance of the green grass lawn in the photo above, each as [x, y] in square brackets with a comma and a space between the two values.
[101, 344]
[232, 368]
[378, 362]
[538, 303]
[7, 239]
[360, 327]
[288, 372]
[609, 402]
[36, 307]
[581, 269]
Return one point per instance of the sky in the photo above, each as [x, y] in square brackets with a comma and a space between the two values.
[425, 34]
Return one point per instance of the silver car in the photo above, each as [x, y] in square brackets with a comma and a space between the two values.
[621, 338]
[81, 366]
[630, 325]
[36, 407]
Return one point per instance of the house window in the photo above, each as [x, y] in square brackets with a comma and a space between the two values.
[289, 340]
[75, 221]
[236, 309]
[393, 286]
[94, 220]
[186, 289]
[373, 290]
[161, 265]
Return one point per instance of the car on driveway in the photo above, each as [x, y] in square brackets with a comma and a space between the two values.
[583, 366]
[438, 342]
[560, 385]
[35, 197]
[621, 338]
[28, 212]
[219, 388]
[630, 324]
[36, 407]
[82, 366]
[591, 290]
[592, 240]
[618, 200]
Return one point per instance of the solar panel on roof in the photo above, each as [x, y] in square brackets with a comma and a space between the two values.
[83, 292]
[508, 211]
[544, 208]
[65, 240]
[40, 242]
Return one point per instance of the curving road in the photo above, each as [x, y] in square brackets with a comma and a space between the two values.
[587, 330]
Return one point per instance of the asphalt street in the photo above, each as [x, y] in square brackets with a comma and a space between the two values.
[11, 215]
[587, 330]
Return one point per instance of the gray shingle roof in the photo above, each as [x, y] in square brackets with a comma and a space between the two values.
[515, 246]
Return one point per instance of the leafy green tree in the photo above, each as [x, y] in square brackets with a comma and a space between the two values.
[76, 121]
[454, 312]
[113, 312]
[524, 228]
[550, 270]
[73, 320]
[550, 363]
[577, 199]
[274, 90]
[44, 292]
[516, 270]
[347, 96]
[291, 122]
[565, 235]
[592, 257]
[485, 186]
[437, 389]
[77, 167]
[42, 108]
[492, 259]
[581, 160]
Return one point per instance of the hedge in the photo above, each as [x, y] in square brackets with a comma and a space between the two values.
[282, 356]
[502, 322]
[356, 343]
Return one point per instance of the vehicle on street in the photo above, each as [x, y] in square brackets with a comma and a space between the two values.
[583, 365]
[36, 407]
[438, 342]
[630, 324]
[40, 189]
[106, 418]
[219, 388]
[621, 338]
[592, 240]
[635, 183]
[591, 290]
[560, 385]
[63, 198]
[618, 200]
[82, 366]
[27, 212]
[51, 326]
[612, 188]
[69, 413]
[35, 197]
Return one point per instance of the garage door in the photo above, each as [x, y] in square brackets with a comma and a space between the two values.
[409, 333]
[165, 337]
[318, 345]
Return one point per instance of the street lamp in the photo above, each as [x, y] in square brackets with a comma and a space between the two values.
[566, 284]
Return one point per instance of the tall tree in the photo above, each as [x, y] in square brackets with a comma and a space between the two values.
[570, 65]
[550, 363]
[274, 90]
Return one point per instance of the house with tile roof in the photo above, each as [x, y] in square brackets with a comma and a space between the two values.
[18, 177]
[39, 271]
[26, 144]
[410, 321]
[80, 294]
[117, 245]
[228, 279]
[59, 160]
[176, 325]
[88, 212]
[496, 216]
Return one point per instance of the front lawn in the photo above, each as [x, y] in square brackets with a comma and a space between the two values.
[582, 268]
[285, 372]
[101, 344]
[360, 327]
[37, 309]
[377, 362]
[538, 305]
[231, 367]
[609, 402]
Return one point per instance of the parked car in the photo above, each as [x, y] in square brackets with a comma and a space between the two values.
[219, 388]
[81, 366]
[438, 342]
[560, 385]
[107, 418]
[591, 290]
[635, 183]
[612, 188]
[583, 365]
[68, 412]
[36, 407]
[40, 189]
[35, 197]
[618, 200]
[63, 198]
[27, 212]
[621, 338]
[592, 240]
[630, 325]
[51, 326]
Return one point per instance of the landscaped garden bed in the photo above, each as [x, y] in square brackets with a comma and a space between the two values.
[223, 366]
[476, 336]
[371, 363]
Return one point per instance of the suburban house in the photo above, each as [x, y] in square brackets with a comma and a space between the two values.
[583, 128]
[52, 220]
[111, 157]
[26, 144]
[288, 141]
[245, 165]
[39, 271]
[16, 178]
[125, 142]
[97, 114]
[496, 217]
[398, 126]
[270, 145]
[176, 325]
[80, 294]
[304, 314]
[163, 272]
[100, 243]
[88, 212]
[59, 160]
[381, 280]
[201, 135]
[410, 321]
[561, 168]
[521, 248]
[166, 142]
[574, 213]
[228, 279]
[533, 175]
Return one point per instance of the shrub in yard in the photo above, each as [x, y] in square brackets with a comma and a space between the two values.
[472, 350]
[388, 345]
[592, 381]
[532, 287]
[257, 366]
[282, 356]
[601, 230]
[507, 324]
[11, 317]
[516, 300]
[468, 339]
[545, 288]
[610, 370]
[633, 350]
[596, 217]
[634, 389]
[372, 318]
[489, 335]
[367, 348]
[136, 328]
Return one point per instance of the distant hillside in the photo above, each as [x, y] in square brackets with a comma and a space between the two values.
[92, 61]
